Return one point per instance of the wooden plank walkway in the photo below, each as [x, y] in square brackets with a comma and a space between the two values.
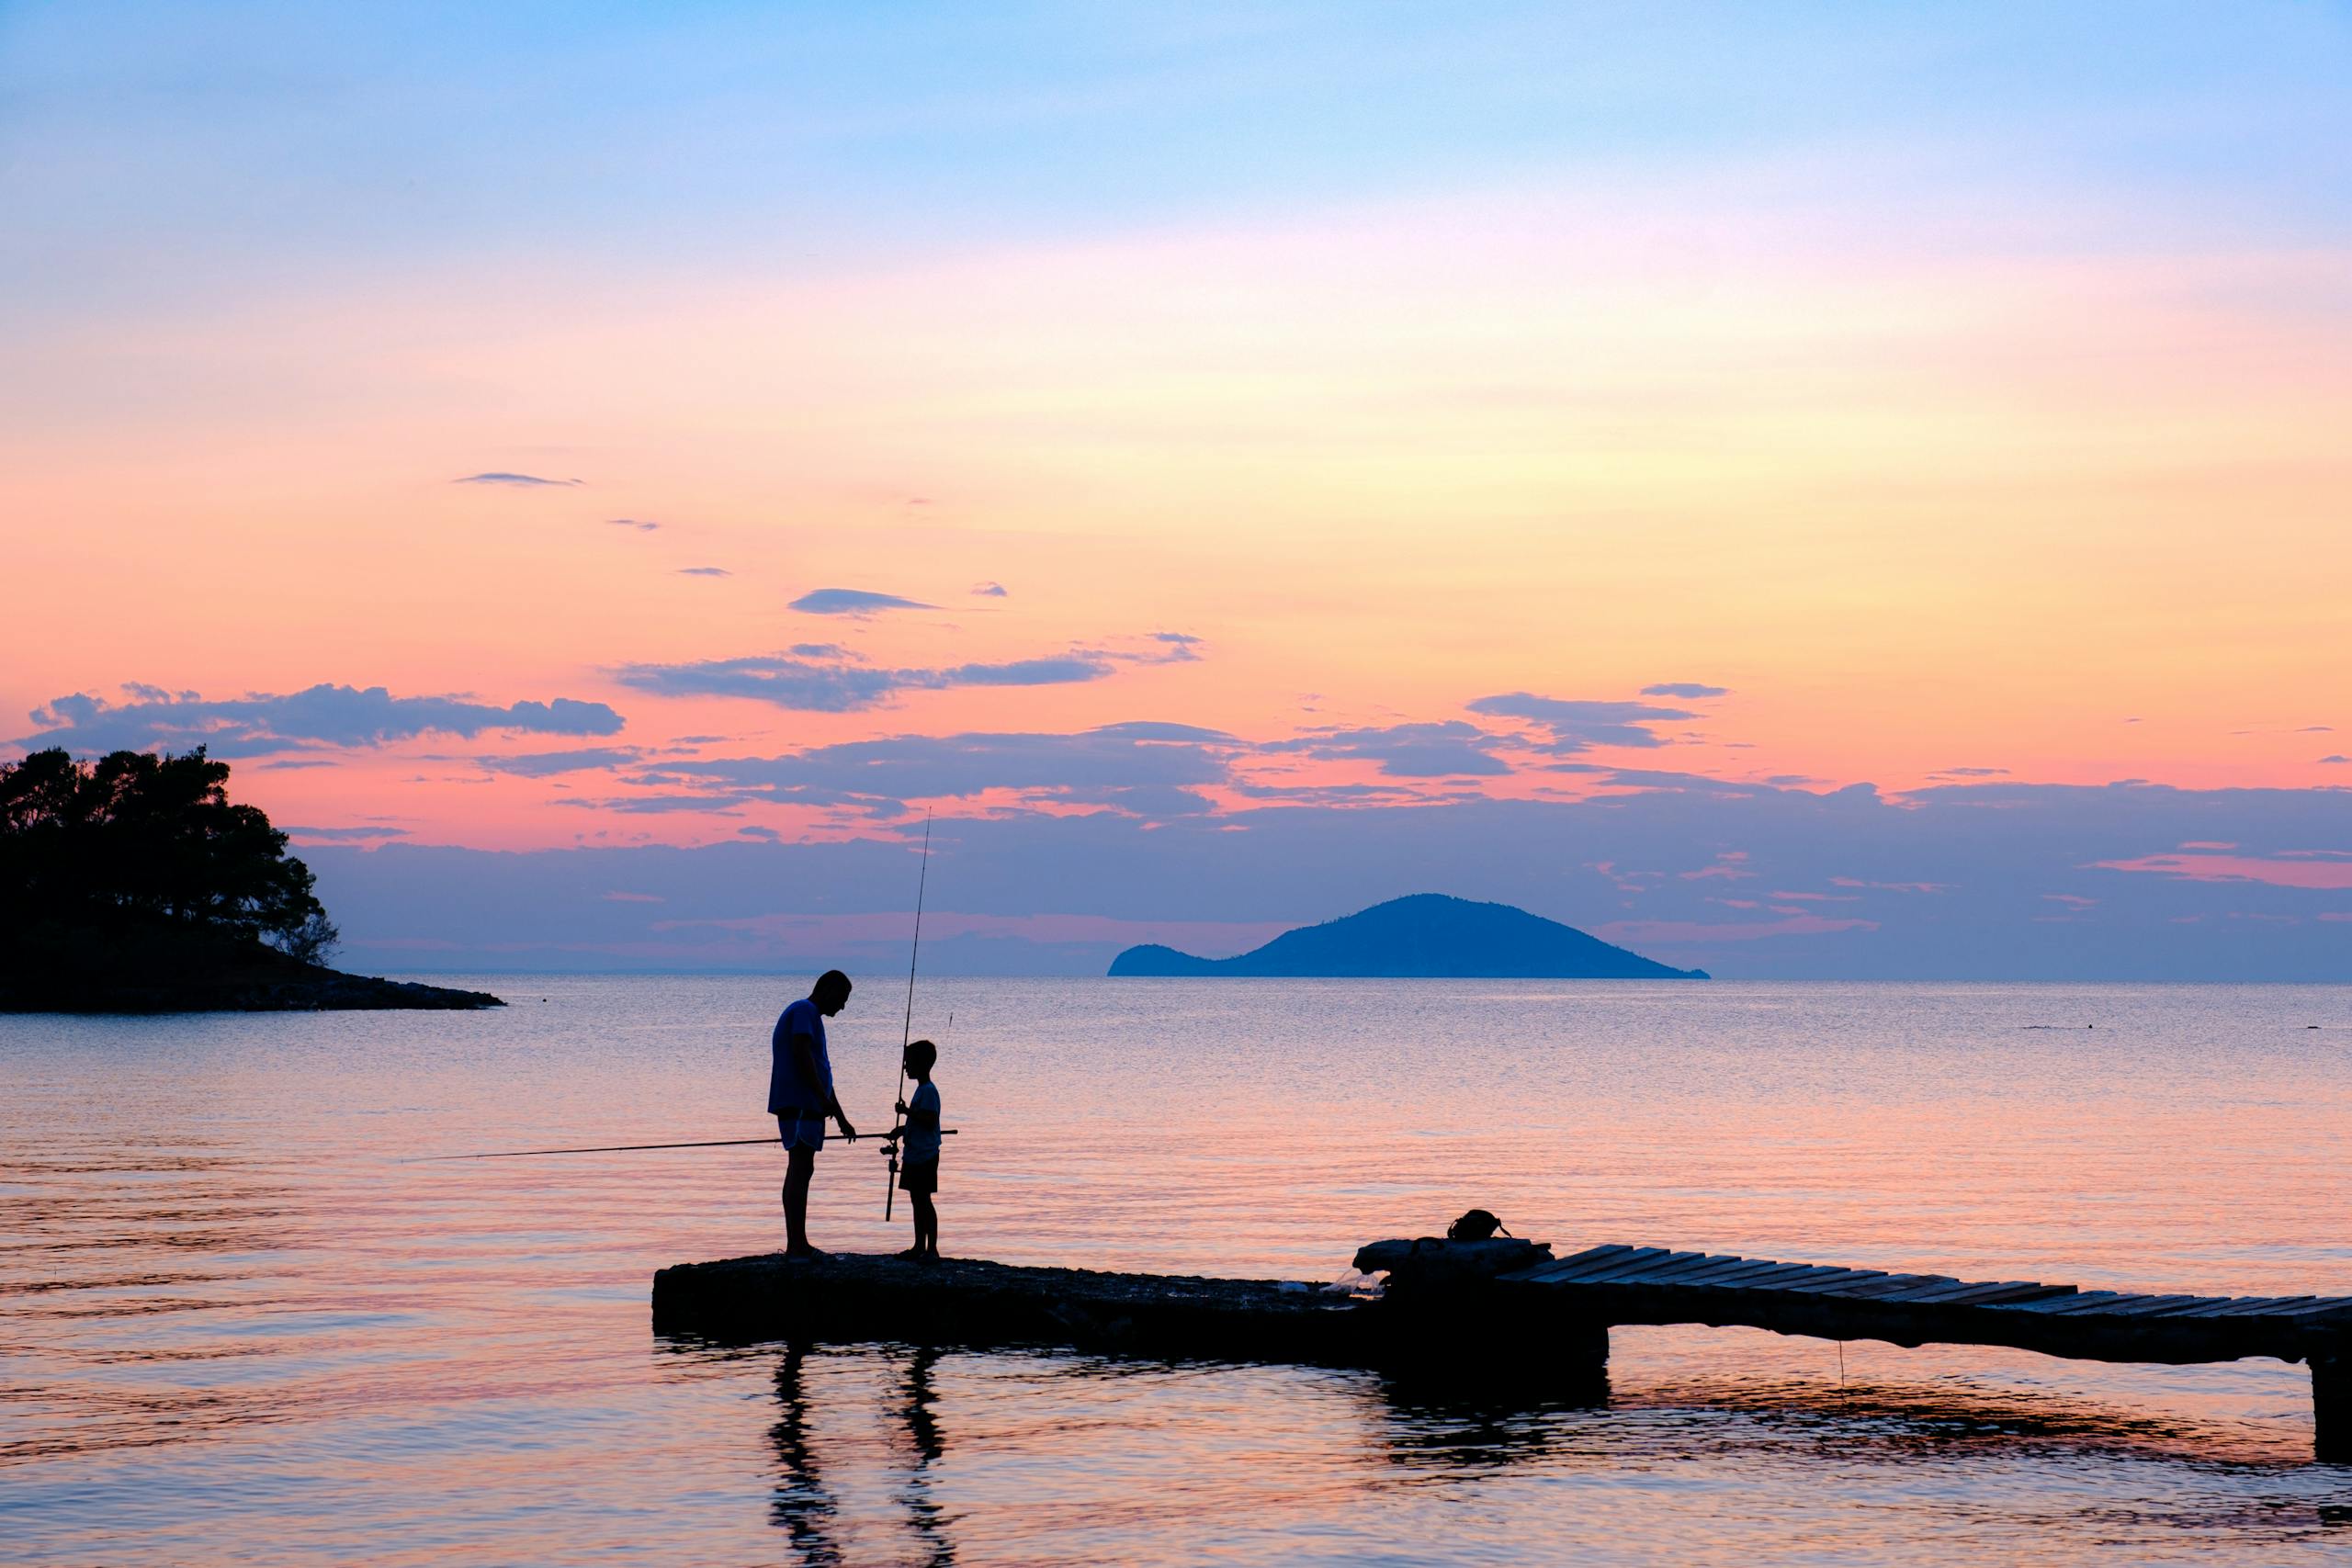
[1475, 1310]
[1619, 1285]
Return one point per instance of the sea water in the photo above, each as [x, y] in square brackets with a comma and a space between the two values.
[235, 1328]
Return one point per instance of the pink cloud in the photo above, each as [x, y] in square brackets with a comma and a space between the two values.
[2304, 870]
[1727, 864]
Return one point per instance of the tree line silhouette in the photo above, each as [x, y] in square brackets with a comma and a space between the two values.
[139, 869]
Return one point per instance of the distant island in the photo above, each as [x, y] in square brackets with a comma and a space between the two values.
[133, 884]
[1424, 936]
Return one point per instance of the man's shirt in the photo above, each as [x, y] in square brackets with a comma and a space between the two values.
[789, 1088]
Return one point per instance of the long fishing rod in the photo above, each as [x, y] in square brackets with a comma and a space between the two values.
[612, 1149]
[907, 1029]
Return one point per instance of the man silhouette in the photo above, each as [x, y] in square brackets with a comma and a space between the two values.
[800, 1093]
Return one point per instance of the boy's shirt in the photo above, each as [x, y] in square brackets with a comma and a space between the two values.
[922, 1142]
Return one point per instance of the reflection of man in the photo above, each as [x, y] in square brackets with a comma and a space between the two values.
[800, 1093]
[804, 1506]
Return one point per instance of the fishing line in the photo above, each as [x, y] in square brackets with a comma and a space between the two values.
[610, 1149]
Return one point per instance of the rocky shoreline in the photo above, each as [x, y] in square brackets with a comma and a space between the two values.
[263, 982]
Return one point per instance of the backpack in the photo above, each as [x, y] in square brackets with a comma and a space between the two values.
[1478, 1225]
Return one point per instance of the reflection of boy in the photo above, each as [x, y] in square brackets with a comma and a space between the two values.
[919, 1169]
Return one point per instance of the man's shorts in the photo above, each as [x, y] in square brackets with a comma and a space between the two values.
[801, 1129]
[919, 1178]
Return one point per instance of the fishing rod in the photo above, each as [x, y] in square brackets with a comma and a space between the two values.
[907, 1029]
[614, 1148]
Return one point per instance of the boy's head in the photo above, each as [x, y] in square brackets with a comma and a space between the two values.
[921, 1056]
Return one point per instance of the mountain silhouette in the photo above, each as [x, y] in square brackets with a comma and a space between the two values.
[1424, 936]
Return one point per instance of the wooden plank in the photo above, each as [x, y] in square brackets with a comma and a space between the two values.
[1921, 1285]
[1729, 1274]
[1563, 1273]
[1888, 1288]
[2010, 1293]
[2100, 1303]
[1680, 1273]
[2198, 1306]
[1762, 1275]
[1944, 1294]
[1631, 1273]
[2251, 1305]
[1590, 1255]
[1842, 1277]
[1791, 1275]
[2148, 1306]
[2277, 1306]
[1605, 1265]
[2060, 1303]
[1593, 1258]
[2320, 1308]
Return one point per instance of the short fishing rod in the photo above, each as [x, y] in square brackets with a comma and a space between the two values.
[619, 1148]
[907, 1029]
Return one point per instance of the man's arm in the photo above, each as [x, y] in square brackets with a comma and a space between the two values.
[804, 1056]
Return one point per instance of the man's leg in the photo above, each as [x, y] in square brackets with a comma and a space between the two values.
[800, 1169]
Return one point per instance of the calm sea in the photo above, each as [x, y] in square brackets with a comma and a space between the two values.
[235, 1328]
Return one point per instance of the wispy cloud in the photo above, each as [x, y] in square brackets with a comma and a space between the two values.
[547, 764]
[704, 571]
[258, 724]
[1578, 726]
[1146, 768]
[990, 591]
[1181, 647]
[815, 678]
[345, 835]
[638, 524]
[854, 602]
[521, 481]
[2309, 872]
[1684, 689]
[1447, 749]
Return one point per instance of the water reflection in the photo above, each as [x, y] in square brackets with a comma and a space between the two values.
[1428, 1421]
[924, 1512]
[803, 1506]
[804, 1501]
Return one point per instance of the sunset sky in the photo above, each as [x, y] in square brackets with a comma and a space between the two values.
[1394, 434]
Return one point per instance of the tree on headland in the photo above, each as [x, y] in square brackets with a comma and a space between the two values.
[139, 862]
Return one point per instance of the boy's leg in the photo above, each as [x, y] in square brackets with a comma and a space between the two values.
[800, 1169]
[926, 1224]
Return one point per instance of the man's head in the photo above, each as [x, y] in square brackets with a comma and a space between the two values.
[831, 993]
[922, 1056]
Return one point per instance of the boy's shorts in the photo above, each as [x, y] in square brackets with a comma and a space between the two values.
[923, 1178]
[800, 1129]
